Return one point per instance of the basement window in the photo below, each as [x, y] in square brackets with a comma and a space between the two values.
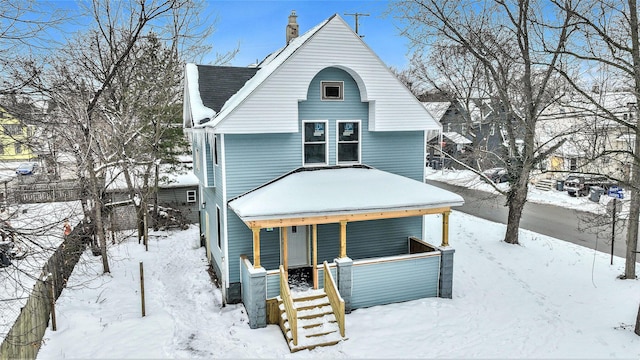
[332, 90]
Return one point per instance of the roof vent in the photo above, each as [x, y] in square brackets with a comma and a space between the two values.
[292, 27]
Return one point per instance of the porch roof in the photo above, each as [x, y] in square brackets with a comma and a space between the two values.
[323, 195]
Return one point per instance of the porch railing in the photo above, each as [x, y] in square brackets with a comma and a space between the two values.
[337, 302]
[289, 308]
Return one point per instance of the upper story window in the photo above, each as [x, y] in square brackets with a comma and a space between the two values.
[348, 142]
[315, 142]
[332, 90]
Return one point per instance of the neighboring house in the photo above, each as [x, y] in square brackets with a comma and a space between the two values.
[14, 138]
[472, 133]
[593, 142]
[177, 189]
[316, 155]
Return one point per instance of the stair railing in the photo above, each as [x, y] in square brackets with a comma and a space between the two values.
[337, 302]
[289, 308]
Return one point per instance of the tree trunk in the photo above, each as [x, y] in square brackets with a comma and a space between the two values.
[97, 204]
[634, 211]
[637, 330]
[515, 200]
[155, 198]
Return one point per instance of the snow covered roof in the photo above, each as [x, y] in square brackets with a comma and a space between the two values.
[268, 66]
[456, 138]
[314, 192]
[115, 179]
[437, 109]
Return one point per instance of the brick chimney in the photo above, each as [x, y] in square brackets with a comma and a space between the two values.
[292, 27]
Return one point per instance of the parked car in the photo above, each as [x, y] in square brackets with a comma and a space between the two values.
[580, 185]
[497, 175]
[27, 168]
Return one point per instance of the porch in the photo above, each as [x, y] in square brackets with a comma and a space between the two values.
[416, 271]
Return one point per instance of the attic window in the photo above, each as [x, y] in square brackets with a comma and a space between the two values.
[332, 90]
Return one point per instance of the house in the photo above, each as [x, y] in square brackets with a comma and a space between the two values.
[14, 138]
[311, 166]
[177, 194]
[592, 141]
[472, 133]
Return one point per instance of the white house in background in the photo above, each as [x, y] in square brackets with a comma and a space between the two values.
[593, 142]
[311, 170]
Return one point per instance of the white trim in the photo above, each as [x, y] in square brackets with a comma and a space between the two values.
[326, 142]
[225, 237]
[194, 196]
[359, 142]
[325, 83]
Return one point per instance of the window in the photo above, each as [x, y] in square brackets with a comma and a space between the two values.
[448, 128]
[463, 128]
[12, 129]
[315, 142]
[493, 130]
[348, 141]
[1, 149]
[18, 148]
[332, 90]
[573, 164]
[191, 196]
[215, 150]
[218, 227]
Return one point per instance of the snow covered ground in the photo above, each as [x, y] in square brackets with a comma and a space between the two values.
[544, 299]
[38, 232]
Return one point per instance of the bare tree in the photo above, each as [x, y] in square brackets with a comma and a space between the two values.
[23, 30]
[609, 42]
[83, 78]
[507, 39]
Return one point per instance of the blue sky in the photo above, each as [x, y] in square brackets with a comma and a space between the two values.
[258, 27]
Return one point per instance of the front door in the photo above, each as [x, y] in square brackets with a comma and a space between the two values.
[298, 246]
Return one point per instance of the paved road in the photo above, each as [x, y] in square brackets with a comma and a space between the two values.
[559, 222]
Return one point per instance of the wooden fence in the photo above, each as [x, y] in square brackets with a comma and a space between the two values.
[25, 337]
[57, 191]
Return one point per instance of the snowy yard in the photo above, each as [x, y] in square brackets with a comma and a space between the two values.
[543, 299]
[39, 233]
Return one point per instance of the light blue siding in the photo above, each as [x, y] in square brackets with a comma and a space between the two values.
[367, 239]
[394, 281]
[273, 285]
[209, 153]
[400, 153]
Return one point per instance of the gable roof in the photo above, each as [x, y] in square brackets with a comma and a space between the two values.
[268, 101]
[437, 109]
